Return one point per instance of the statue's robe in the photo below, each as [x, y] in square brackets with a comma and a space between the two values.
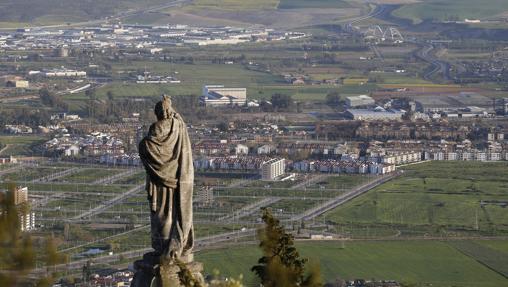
[167, 157]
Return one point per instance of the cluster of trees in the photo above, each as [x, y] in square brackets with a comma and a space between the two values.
[24, 116]
[280, 265]
[333, 99]
[111, 110]
[52, 100]
[18, 254]
[221, 60]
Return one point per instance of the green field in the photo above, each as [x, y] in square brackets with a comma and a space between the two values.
[442, 10]
[493, 259]
[46, 12]
[423, 263]
[293, 4]
[440, 196]
[234, 4]
[20, 145]
[90, 175]
[193, 77]
[28, 174]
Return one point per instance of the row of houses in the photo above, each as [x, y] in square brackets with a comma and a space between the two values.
[466, 155]
[224, 148]
[229, 163]
[94, 144]
[122, 159]
[398, 158]
[18, 129]
[342, 166]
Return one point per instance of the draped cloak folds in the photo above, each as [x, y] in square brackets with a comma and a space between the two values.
[167, 157]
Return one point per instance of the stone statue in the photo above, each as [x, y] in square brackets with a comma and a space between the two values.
[167, 157]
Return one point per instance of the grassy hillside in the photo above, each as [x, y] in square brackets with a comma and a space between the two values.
[423, 263]
[234, 4]
[292, 4]
[451, 9]
[196, 12]
[61, 11]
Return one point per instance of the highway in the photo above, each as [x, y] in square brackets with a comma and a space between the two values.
[426, 54]
[380, 9]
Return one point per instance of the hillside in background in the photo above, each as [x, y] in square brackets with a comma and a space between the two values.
[41, 12]
[453, 10]
[287, 13]
[282, 13]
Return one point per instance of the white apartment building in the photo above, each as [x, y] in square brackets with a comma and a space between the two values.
[273, 168]
[27, 221]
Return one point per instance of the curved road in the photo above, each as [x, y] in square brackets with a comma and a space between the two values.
[426, 53]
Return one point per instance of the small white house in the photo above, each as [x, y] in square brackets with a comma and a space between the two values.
[72, 150]
[266, 149]
[241, 149]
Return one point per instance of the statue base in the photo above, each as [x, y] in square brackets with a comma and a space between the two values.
[149, 272]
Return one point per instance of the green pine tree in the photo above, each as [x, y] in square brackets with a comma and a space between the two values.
[281, 264]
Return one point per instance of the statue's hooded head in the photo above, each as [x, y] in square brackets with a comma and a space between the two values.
[163, 109]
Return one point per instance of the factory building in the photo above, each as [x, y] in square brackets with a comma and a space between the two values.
[374, 114]
[359, 101]
[218, 95]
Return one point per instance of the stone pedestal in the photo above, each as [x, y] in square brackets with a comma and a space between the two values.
[151, 273]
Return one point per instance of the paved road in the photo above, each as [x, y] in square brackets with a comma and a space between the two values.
[380, 9]
[12, 169]
[426, 53]
[58, 175]
[201, 244]
[211, 241]
[313, 179]
[116, 177]
[376, 51]
[249, 209]
[109, 203]
[343, 198]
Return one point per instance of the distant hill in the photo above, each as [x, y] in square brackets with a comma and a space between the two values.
[278, 13]
[47, 12]
[59, 11]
